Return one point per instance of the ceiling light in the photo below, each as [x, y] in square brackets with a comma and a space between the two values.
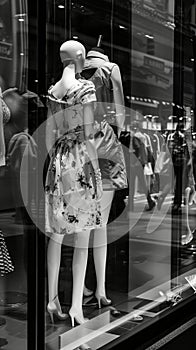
[75, 37]
[192, 60]
[149, 36]
[20, 15]
[61, 6]
[21, 19]
[122, 27]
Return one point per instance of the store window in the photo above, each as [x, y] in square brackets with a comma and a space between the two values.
[149, 266]
[120, 278]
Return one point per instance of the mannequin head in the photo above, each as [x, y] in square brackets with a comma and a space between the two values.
[73, 52]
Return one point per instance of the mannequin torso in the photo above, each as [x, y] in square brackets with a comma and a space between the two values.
[97, 67]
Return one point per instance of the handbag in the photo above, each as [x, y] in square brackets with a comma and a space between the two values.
[148, 169]
[159, 162]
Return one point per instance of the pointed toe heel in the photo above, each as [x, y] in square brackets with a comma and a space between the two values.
[55, 310]
[76, 318]
[103, 301]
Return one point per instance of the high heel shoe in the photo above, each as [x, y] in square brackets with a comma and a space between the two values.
[102, 301]
[75, 317]
[54, 311]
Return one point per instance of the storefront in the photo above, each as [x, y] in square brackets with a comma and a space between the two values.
[147, 262]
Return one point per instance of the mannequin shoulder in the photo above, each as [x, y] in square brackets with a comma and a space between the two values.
[115, 74]
[50, 96]
[53, 104]
[86, 93]
[87, 85]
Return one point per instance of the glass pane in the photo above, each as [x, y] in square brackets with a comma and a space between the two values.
[142, 263]
[13, 215]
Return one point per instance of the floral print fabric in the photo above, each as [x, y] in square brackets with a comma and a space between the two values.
[70, 201]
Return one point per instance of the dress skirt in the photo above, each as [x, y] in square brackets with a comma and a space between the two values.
[6, 265]
[70, 191]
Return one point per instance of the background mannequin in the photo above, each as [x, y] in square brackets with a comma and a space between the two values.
[138, 159]
[6, 265]
[184, 181]
[113, 82]
[109, 92]
[66, 92]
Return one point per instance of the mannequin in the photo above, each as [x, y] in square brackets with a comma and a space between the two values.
[96, 59]
[109, 92]
[184, 181]
[70, 118]
[175, 143]
[138, 159]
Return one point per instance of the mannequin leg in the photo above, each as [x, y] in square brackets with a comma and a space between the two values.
[100, 244]
[79, 269]
[187, 236]
[53, 262]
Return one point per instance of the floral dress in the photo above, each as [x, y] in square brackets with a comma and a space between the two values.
[70, 200]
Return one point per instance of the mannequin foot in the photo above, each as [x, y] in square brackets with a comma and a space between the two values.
[76, 317]
[102, 300]
[54, 309]
[87, 292]
[187, 237]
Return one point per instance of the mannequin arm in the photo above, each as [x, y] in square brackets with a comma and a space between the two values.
[51, 131]
[90, 145]
[89, 134]
[118, 98]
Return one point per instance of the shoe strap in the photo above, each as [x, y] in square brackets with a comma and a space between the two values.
[55, 297]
